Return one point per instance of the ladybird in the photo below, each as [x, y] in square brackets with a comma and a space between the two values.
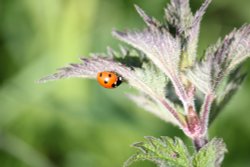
[109, 79]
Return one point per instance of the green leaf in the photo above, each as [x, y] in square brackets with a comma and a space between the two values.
[210, 155]
[227, 91]
[159, 45]
[152, 106]
[153, 77]
[187, 26]
[165, 152]
[150, 21]
[179, 15]
[220, 59]
[193, 31]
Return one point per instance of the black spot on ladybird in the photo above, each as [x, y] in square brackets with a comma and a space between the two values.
[110, 75]
[100, 75]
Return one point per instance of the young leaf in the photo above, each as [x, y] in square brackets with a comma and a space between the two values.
[199, 75]
[240, 48]
[163, 50]
[164, 152]
[120, 62]
[159, 46]
[227, 92]
[150, 21]
[155, 82]
[179, 15]
[221, 59]
[141, 79]
[91, 66]
[194, 30]
[210, 155]
[153, 107]
[89, 69]
[153, 77]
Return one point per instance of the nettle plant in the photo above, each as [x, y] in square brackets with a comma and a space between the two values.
[174, 85]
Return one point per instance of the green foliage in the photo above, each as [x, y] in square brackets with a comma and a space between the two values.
[153, 77]
[63, 121]
[226, 92]
[164, 152]
[220, 59]
[168, 152]
[211, 155]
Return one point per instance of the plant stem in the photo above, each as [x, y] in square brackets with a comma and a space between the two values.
[199, 143]
[181, 93]
[205, 112]
[174, 113]
[201, 140]
[193, 121]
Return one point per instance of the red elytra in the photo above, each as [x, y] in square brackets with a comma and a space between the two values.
[108, 79]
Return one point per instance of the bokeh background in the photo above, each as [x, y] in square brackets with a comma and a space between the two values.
[75, 122]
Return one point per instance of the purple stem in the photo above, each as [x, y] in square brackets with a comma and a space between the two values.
[193, 121]
[182, 94]
[174, 113]
[205, 112]
[199, 143]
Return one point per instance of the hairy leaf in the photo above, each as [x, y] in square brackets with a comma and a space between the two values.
[163, 50]
[227, 92]
[121, 62]
[153, 107]
[127, 56]
[150, 21]
[165, 152]
[221, 59]
[179, 15]
[240, 48]
[142, 79]
[194, 30]
[200, 76]
[210, 155]
[89, 67]
[159, 46]
[153, 77]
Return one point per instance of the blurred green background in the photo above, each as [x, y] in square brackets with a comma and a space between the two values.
[75, 122]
